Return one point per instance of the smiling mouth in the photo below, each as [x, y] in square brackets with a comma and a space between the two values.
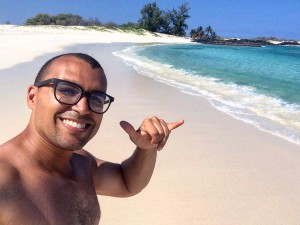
[74, 124]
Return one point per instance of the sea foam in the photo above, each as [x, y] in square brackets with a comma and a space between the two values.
[243, 102]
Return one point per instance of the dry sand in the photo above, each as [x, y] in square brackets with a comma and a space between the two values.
[215, 170]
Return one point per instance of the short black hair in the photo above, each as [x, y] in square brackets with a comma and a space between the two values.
[87, 58]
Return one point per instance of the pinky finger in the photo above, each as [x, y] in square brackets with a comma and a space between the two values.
[165, 138]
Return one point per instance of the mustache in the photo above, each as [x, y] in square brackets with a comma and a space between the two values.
[76, 116]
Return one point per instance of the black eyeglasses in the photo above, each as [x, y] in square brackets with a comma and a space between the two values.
[70, 93]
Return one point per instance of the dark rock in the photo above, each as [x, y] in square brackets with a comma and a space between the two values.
[235, 42]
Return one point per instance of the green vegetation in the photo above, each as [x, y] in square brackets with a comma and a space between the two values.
[204, 35]
[152, 19]
[169, 22]
[62, 20]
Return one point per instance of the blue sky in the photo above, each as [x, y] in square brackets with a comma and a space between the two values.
[229, 18]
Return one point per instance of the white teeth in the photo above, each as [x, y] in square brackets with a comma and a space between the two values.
[74, 124]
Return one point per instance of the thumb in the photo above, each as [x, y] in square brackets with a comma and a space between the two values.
[129, 129]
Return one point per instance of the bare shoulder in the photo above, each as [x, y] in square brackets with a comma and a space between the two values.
[92, 159]
[9, 182]
[8, 177]
[9, 174]
[7, 170]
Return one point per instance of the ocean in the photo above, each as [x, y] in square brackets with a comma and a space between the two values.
[260, 86]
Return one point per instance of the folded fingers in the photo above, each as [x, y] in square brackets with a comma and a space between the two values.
[157, 129]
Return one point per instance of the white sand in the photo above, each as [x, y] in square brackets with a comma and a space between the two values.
[23, 43]
[215, 170]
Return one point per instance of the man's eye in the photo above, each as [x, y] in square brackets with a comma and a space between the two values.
[68, 91]
[97, 100]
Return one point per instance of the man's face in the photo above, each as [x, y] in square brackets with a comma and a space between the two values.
[65, 126]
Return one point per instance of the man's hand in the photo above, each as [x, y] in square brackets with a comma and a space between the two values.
[133, 174]
[152, 134]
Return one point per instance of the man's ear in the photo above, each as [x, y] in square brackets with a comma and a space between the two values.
[31, 96]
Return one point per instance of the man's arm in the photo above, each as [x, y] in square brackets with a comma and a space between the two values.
[132, 175]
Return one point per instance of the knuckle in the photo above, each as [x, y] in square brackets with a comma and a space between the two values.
[147, 120]
[163, 121]
[155, 118]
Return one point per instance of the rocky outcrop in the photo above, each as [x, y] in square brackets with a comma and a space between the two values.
[235, 42]
[244, 42]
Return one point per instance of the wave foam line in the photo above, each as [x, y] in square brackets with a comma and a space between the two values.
[243, 103]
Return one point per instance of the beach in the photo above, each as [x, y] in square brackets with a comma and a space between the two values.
[215, 170]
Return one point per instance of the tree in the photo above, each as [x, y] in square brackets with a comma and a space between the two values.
[207, 35]
[214, 36]
[178, 19]
[40, 19]
[60, 19]
[169, 22]
[93, 22]
[198, 33]
[208, 32]
[166, 22]
[151, 19]
[68, 20]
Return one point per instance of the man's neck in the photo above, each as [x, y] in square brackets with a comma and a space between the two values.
[45, 155]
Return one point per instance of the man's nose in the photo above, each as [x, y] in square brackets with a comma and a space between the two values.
[82, 106]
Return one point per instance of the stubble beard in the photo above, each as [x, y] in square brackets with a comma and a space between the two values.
[67, 145]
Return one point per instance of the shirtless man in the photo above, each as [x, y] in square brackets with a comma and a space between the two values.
[45, 175]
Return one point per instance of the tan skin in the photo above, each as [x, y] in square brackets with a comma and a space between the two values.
[45, 179]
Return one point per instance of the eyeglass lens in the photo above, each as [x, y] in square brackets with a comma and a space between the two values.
[69, 93]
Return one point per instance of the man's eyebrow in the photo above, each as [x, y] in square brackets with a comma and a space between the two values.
[93, 90]
[72, 80]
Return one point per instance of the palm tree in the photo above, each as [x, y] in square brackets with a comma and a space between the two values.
[214, 36]
[200, 32]
[197, 34]
[193, 33]
[208, 32]
[201, 35]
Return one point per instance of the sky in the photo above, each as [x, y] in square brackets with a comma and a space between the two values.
[228, 18]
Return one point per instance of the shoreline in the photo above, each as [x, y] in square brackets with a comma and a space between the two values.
[214, 170]
[181, 79]
[211, 168]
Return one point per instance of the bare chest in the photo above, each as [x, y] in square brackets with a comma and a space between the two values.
[58, 201]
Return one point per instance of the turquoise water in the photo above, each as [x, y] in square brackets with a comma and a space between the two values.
[259, 86]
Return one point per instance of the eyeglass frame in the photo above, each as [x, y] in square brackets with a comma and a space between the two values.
[86, 94]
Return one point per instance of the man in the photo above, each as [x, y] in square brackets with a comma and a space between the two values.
[45, 175]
